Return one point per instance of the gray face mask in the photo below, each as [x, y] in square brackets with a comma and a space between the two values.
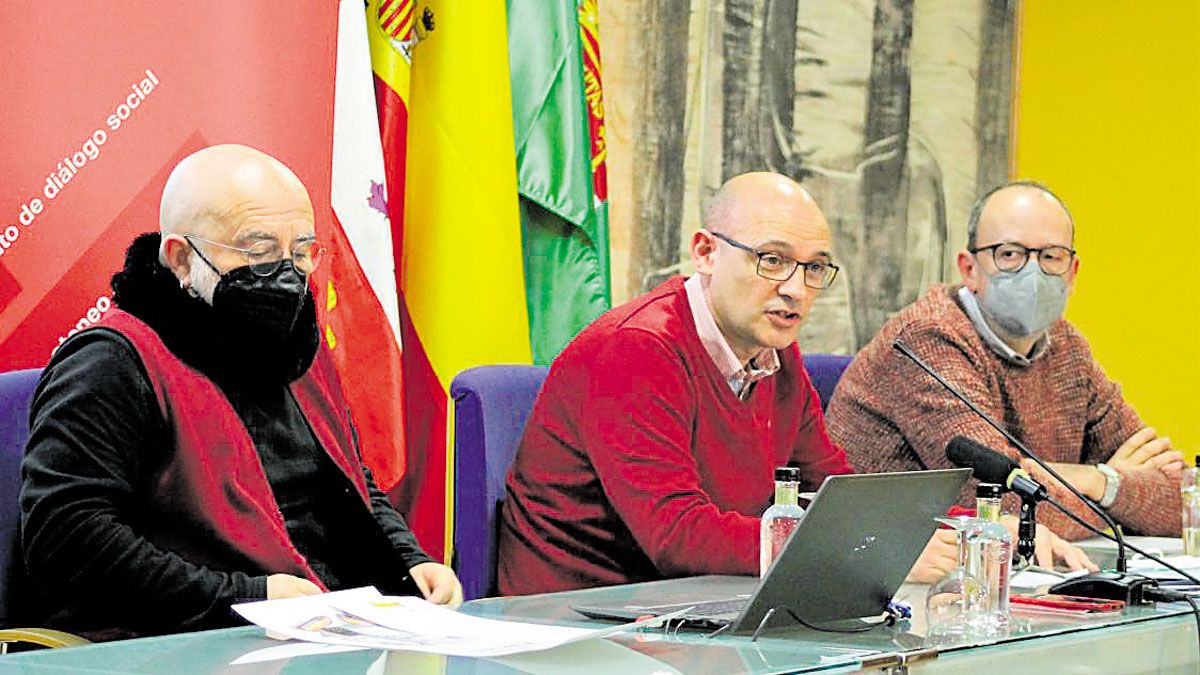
[1024, 303]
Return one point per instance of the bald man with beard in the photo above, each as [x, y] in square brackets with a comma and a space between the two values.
[194, 449]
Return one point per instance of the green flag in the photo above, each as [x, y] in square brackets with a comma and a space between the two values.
[558, 125]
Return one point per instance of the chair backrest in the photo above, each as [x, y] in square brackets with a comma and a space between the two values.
[16, 392]
[491, 405]
[825, 370]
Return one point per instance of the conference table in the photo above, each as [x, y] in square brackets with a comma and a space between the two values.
[1150, 639]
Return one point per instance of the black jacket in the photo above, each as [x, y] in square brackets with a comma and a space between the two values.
[97, 438]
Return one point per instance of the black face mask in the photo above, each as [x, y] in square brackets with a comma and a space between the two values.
[265, 307]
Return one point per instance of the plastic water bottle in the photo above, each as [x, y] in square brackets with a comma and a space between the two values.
[992, 546]
[1189, 492]
[781, 518]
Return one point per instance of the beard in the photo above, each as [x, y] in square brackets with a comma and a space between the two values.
[202, 279]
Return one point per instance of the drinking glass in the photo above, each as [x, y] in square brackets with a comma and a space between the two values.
[954, 603]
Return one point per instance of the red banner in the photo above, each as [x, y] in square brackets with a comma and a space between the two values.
[104, 99]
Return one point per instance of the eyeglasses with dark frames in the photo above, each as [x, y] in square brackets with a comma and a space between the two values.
[1012, 257]
[818, 274]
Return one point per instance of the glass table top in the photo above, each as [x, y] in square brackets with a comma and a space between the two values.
[659, 651]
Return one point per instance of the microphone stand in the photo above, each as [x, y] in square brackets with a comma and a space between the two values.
[1119, 586]
[1027, 530]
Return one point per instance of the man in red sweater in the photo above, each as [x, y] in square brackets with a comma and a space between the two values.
[650, 451]
[1000, 338]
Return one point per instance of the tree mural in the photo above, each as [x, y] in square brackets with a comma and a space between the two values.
[876, 289]
[893, 113]
[660, 144]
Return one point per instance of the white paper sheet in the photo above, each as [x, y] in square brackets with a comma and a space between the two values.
[364, 618]
[1159, 546]
[1187, 563]
[1035, 577]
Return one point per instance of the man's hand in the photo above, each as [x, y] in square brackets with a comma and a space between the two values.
[438, 583]
[1083, 477]
[1147, 450]
[939, 557]
[1049, 547]
[1143, 451]
[941, 553]
[287, 586]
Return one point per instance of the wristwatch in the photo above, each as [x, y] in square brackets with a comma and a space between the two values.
[1111, 486]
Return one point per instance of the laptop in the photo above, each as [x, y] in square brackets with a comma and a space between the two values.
[859, 538]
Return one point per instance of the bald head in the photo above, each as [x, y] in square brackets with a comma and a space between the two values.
[207, 191]
[1017, 199]
[761, 196]
[1015, 216]
[227, 200]
[762, 235]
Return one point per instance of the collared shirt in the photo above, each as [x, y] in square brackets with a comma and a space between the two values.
[971, 306]
[739, 377]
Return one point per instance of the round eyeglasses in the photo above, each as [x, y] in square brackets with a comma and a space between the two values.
[818, 274]
[1011, 257]
[265, 256]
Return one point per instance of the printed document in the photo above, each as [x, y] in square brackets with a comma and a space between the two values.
[363, 617]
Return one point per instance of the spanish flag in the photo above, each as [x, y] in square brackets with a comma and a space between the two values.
[460, 261]
[502, 246]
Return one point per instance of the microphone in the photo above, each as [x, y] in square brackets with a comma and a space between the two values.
[1108, 520]
[1133, 589]
[992, 467]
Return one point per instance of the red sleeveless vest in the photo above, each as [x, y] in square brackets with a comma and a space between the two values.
[213, 503]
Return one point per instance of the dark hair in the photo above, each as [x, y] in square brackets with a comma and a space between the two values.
[978, 206]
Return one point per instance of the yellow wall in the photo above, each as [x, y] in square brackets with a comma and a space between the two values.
[1108, 114]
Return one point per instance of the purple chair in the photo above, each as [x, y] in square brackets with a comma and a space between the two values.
[491, 404]
[825, 370]
[16, 393]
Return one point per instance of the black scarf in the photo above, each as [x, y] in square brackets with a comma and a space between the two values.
[188, 326]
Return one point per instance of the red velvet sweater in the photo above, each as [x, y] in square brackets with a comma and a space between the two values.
[639, 462]
[214, 481]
